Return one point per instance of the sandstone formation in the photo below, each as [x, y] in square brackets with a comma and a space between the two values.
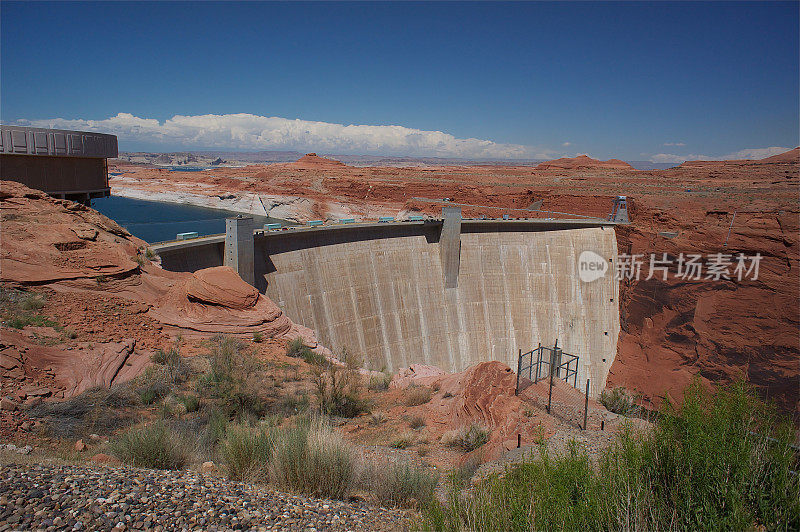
[34, 371]
[583, 162]
[217, 300]
[46, 239]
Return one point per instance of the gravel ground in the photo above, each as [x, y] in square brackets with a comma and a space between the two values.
[67, 497]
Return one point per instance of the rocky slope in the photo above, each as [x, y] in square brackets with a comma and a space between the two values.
[103, 307]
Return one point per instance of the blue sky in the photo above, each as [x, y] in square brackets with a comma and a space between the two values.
[659, 81]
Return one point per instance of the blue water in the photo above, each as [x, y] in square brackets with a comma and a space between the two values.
[155, 221]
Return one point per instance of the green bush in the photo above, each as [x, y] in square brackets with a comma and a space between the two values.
[246, 452]
[36, 320]
[467, 438]
[258, 337]
[416, 422]
[232, 381]
[296, 348]
[620, 401]
[153, 446]
[311, 458]
[701, 467]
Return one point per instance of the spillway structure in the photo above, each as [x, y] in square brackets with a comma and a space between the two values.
[449, 292]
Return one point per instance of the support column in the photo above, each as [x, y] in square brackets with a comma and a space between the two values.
[239, 253]
[450, 245]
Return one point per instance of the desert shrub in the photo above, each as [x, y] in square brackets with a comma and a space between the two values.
[417, 395]
[154, 384]
[258, 337]
[154, 446]
[234, 380]
[97, 410]
[376, 419]
[177, 370]
[404, 441]
[416, 422]
[296, 348]
[401, 484]
[721, 460]
[619, 401]
[339, 388]
[246, 452]
[214, 431]
[460, 476]
[380, 383]
[190, 402]
[311, 458]
[467, 438]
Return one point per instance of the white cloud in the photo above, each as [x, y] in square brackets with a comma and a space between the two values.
[672, 158]
[566, 144]
[755, 153]
[747, 153]
[674, 144]
[252, 132]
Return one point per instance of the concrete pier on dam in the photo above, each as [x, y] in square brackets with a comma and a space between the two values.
[447, 292]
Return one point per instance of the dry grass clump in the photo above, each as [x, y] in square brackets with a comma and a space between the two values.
[311, 458]
[400, 484]
[380, 382]
[246, 452]
[403, 441]
[467, 438]
[417, 395]
[97, 410]
[154, 446]
[416, 422]
[620, 401]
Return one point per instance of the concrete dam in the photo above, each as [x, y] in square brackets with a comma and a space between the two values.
[447, 292]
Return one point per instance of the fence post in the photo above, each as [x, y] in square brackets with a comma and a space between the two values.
[586, 406]
[552, 371]
[519, 370]
[538, 361]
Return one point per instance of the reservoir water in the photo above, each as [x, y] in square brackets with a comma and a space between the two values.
[156, 221]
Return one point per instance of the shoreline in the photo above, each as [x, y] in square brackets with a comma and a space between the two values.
[289, 208]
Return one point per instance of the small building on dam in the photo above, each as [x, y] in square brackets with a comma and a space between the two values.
[65, 164]
[449, 292]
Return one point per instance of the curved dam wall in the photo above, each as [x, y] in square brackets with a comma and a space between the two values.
[387, 292]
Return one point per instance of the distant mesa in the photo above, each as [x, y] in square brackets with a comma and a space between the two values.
[583, 161]
[312, 160]
[791, 156]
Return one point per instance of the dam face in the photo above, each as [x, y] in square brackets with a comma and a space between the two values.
[384, 292]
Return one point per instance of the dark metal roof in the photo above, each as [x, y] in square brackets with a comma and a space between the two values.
[20, 140]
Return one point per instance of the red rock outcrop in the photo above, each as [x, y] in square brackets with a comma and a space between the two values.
[33, 371]
[483, 394]
[217, 300]
[585, 162]
[47, 239]
[312, 160]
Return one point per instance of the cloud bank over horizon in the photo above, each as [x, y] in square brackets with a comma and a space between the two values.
[248, 132]
[244, 131]
[747, 153]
